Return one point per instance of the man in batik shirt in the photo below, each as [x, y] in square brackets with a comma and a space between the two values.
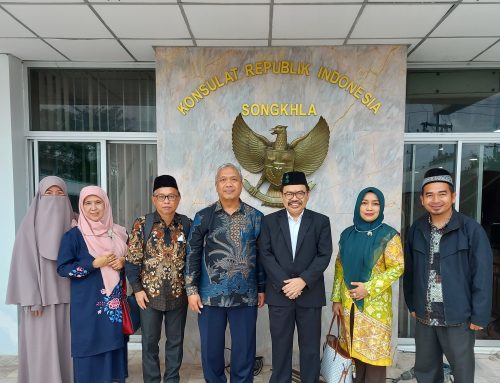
[155, 270]
[447, 282]
[224, 281]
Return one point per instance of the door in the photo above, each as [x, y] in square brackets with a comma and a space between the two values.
[475, 167]
[480, 199]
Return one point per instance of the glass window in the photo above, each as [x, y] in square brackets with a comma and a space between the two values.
[453, 101]
[77, 163]
[93, 100]
[131, 172]
[480, 187]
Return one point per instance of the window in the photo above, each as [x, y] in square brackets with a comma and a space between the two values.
[92, 100]
[119, 106]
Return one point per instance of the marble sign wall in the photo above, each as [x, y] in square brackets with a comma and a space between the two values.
[359, 90]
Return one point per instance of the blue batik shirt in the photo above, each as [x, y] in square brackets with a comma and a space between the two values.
[222, 257]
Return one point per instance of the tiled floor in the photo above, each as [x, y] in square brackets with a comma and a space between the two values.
[487, 369]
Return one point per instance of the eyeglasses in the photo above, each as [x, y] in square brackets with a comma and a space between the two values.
[300, 194]
[163, 197]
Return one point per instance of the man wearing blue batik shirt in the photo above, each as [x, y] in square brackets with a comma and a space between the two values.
[224, 281]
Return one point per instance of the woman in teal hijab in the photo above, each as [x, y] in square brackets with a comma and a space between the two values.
[370, 260]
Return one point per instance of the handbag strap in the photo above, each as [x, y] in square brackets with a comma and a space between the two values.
[124, 286]
[331, 324]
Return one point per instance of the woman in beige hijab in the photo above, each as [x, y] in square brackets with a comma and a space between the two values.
[43, 296]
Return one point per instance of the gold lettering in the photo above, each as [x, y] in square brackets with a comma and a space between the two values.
[274, 110]
[264, 109]
[196, 95]
[284, 68]
[267, 66]
[249, 70]
[358, 92]
[324, 74]
[276, 67]
[312, 110]
[292, 71]
[203, 89]
[366, 98]
[376, 107]
[258, 67]
[284, 110]
[211, 82]
[351, 87]
[219, 84]
[181, 108]
[235, 73]
[345, 80]
[228, 77]
[189, 102]
[305, 69]
[334, 77]
[244, 110]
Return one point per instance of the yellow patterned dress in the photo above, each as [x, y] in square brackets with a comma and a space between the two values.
[373, 326]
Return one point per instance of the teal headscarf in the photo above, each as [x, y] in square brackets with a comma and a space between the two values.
[359, 251]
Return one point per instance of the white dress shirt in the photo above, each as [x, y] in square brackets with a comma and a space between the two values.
[294, 226]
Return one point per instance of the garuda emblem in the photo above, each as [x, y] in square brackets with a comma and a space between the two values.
[256, 154]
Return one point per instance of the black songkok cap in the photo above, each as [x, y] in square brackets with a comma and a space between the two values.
[437, 175]
[294, 178]
[165, 181]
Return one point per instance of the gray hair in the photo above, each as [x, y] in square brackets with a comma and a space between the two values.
[228, 165]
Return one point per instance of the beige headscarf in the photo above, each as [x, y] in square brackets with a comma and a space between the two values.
[33, 279]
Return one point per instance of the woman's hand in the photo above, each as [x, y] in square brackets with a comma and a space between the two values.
[117, 263]
[36, 311]
[337, 309]
[359, 292]
[104, 260]
[100, 262]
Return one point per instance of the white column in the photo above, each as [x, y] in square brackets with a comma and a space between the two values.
[14, 185]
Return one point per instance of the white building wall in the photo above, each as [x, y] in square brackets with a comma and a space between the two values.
[14, 185]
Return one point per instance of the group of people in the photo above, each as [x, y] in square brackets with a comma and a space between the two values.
[231, 260]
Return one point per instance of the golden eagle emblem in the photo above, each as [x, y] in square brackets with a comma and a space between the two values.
[256, 153]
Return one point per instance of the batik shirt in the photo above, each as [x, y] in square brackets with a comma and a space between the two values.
[221, 260]
[434, 306]
[158, 269]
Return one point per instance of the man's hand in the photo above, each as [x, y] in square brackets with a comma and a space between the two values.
[195, 304]
[141, 298]
[359, 292]
[261, 297]
[293, 287]
[413, 315]
[475, 327]
[337, 309]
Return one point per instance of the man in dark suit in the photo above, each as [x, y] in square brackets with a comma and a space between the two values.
[295, 247]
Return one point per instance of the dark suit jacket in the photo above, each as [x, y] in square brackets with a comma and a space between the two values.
[312, 256]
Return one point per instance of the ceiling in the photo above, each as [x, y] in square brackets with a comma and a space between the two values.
[436, 31]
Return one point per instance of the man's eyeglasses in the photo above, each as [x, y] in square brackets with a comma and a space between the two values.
[300, 194]
[163, 197]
